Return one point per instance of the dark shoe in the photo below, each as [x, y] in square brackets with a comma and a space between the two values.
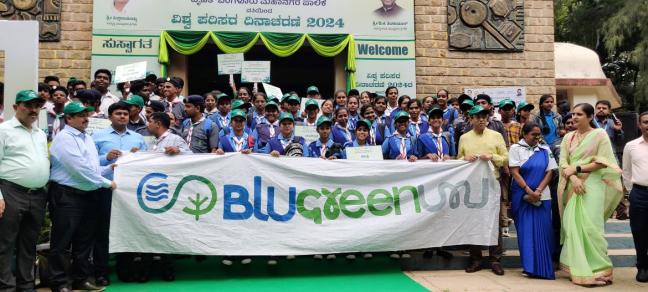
[642, 276]
[444, 254]
[61, 289]
[102, 281]
[497, 269]
[474, 267]
[87, 286]
[169, 276]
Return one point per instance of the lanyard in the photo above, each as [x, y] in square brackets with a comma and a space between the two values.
[239, 143]
[439, 146]
[159, 140]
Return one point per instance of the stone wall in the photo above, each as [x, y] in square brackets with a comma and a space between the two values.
[437, 67]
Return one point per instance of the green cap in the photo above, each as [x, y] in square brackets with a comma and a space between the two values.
[272, 104]
[506, 102]
[237, 113]
[286, 116]
[523, 104]
[313, 89]
[76, 107]
[136, 100]
[364, 122]
[294, 98]
[322, 120]
[401, 114]
[223, 95]
[477, 110]
[285, 97]
[467, 104]
[27, 95]
[240, 104]
[435, 111]
[272, 99]
[311, 102]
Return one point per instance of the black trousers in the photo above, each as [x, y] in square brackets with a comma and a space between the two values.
[100, 252]
[74, 219]
[20, 226]
[639, 223]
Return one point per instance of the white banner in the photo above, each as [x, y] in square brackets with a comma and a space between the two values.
[239, 204]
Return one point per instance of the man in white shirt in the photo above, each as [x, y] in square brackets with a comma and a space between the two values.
[635, 179]
[102, 79]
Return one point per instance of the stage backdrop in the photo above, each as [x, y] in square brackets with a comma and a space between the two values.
[384, 41]
[240, 204]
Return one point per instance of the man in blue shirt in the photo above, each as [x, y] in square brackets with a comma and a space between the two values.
[111, 143]
[75, 177]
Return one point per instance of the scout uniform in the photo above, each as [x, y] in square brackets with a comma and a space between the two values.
[318, 149]
[441, 144]
[279, 143]
[231, 142]
[222, 121]
[265, 131]
[399, 146]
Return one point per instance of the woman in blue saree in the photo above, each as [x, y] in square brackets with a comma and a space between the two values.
[531, 165]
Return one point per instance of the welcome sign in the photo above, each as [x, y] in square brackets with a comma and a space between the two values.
[127, 33]
[239, 204]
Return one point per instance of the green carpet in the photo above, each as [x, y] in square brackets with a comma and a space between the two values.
[301, 274]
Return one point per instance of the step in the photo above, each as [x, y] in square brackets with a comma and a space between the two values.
[614, 242]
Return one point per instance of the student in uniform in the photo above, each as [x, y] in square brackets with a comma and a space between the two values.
[321, 148]
[257, 116]
[241, 105]
[210, 104]
[380, 105]
[340, 99]
[436, 144]
[294, 105]
[277, 145]
[327, 109]
[362, 137]
[224, 105]
[136, 106]
[403, 102]
[400, 145]
[55, 117]
[237, 140]
[340, 132]
[312, 111]
[377, 132]
[200, 133]
[418, 122]
[267, 129]
[353, 105]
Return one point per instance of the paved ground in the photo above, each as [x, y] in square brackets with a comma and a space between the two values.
[485, 280]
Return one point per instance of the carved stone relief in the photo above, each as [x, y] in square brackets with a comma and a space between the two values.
[486, 25]
[47, 12]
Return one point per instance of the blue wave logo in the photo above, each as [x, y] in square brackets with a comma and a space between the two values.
[156, 193]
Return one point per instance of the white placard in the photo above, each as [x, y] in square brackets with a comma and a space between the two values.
[272, 91]
[130, 72]
[230, 64]
[368, 153]
[497, 94]
[95, 124]
[309, 133]
[255, 71]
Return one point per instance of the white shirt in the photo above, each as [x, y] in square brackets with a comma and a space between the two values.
[635, 163]
[106, 101]
[521, 152]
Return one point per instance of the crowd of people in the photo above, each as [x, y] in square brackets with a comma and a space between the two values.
[559, 171]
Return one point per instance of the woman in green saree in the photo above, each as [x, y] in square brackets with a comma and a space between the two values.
[589, 190]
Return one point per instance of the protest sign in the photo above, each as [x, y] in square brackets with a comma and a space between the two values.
[130, 72]
[272, 91]
[256, 71]
[230, 64]
[309, 133]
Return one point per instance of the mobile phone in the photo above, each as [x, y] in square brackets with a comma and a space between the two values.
[615, 118]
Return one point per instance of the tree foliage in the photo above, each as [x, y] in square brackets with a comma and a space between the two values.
[618, 31]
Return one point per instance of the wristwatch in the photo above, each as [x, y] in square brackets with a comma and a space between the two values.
[578, 169]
